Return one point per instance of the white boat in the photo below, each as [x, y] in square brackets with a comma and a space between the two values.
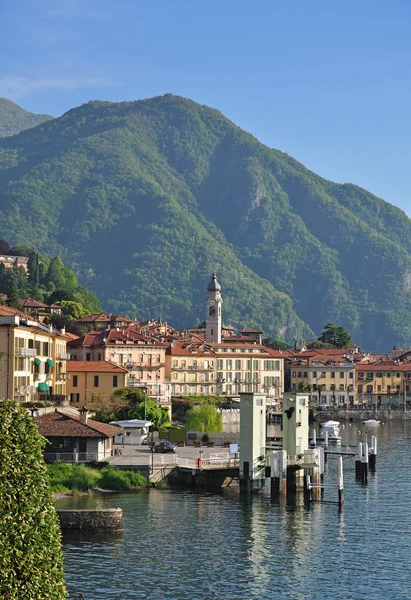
[371, 422]
[330, 433]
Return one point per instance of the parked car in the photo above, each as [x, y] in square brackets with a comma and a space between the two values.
[164, 446]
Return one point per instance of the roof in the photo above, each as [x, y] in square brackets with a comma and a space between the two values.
[32, 303]
[110, 337]
[103, 318]
[214, 286]
[251, 330]
[8, 311]
[93, 366]
[59, 424]
[385, 365]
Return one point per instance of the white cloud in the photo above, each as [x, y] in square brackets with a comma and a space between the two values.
[17, 87]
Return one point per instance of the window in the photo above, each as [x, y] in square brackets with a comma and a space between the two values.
[388, 389]
[305, 374]
[360, 389]
[229, 364]
[45, 348]
[299, 374]
[99, 356]
[332, 374]
[88, 356]
[294, 387]
[175, 363]
[379, 388]
[74, 397]
[115, 380]
[315, 374]
[388, 374]
[341, 387]
[370, 376]
[75, 380]
[351, 399]
[238, 365]
[351, 375]
[220, 364]
[341, 399]
[95, 380]
[379, 375]
[341, 375]
[256, 365]
[323, 374]
[294, 373]
[369, 389]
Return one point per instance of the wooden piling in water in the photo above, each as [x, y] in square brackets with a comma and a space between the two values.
[364, 463]
[340, 483]
[358, 459]
[373, 453]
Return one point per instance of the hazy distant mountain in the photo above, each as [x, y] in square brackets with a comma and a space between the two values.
[14, 119]
[144, 199]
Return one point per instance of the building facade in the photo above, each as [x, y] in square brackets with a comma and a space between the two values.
[33, 359]
[93, 382]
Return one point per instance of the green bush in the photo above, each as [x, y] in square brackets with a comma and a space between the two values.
[114, 479]
[31, 560]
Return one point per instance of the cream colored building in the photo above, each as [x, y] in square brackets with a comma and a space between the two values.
[32, 359]
[93, 382]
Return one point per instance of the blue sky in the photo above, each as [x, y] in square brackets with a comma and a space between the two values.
[326, 81]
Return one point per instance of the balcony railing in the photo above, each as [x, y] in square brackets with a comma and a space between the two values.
[63, 376]
[27, 352]
[63, 356]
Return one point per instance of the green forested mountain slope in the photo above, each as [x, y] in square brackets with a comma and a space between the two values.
[14, 119]
[143, 199]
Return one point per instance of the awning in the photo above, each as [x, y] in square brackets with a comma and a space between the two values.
[43, 386]
[37, 361]
[50, 362]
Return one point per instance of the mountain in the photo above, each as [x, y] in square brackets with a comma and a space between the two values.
[14, 119]
[144, 199]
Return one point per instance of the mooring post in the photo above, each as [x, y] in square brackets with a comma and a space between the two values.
[358, 460]
[340, 482]
[373, 453]
[245, 484]
[364, 463]
[275, 474]
[283, 471]
[307, 488]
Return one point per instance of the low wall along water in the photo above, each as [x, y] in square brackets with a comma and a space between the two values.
[108, 519]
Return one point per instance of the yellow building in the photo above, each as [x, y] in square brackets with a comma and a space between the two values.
[384, 383]
[93, 382]
[32, 359]
[328, 376]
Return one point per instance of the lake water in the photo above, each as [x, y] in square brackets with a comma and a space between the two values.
[180, 545]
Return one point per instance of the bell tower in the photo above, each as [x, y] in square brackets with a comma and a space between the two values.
[213, 315]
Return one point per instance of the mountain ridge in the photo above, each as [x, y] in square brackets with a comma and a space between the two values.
[179, 189]
[14, 119]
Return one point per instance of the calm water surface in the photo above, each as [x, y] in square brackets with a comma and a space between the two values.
[196, 545]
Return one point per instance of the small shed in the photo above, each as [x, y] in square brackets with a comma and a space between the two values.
[133, 431]
[75, 438]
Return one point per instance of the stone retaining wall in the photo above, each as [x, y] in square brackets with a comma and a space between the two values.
[108, 519]
[381, 414]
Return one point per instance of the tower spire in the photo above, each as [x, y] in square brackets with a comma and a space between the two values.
[214, 302]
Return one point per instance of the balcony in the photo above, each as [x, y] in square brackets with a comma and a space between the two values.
[63, 376]
[27, 352]
[63, 356]
[150, 365]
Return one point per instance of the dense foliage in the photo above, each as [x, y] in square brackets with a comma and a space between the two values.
[65, 477]
[14, 119]
[204, 418]
[144, 199]
[31, 560]
[133, 404]
[48, 280]
[335, 336]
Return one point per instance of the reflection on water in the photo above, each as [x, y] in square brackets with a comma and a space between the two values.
[197, 545]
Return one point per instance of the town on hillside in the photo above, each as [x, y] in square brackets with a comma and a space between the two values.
[41, 364]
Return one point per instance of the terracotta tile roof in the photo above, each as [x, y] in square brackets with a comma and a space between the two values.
[63, 425]
[93, 366]
[7, 311]
[190, 349]
[71, 336]
[32, 303]
[251, 330]
[385, 365]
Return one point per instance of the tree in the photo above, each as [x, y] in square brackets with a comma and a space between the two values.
[13, 299]
[335, 335]
[73, 310]
[270, 342]
[55, 274]
[138, 405]
[4, 247]
[204, 418]
[31, 560]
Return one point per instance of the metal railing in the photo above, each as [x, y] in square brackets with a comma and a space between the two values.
[63, 356]
[70, 457]
[27, 352]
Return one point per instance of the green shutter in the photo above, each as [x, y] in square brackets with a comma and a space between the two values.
[50, 362]
[43, 386]
[37, 361]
